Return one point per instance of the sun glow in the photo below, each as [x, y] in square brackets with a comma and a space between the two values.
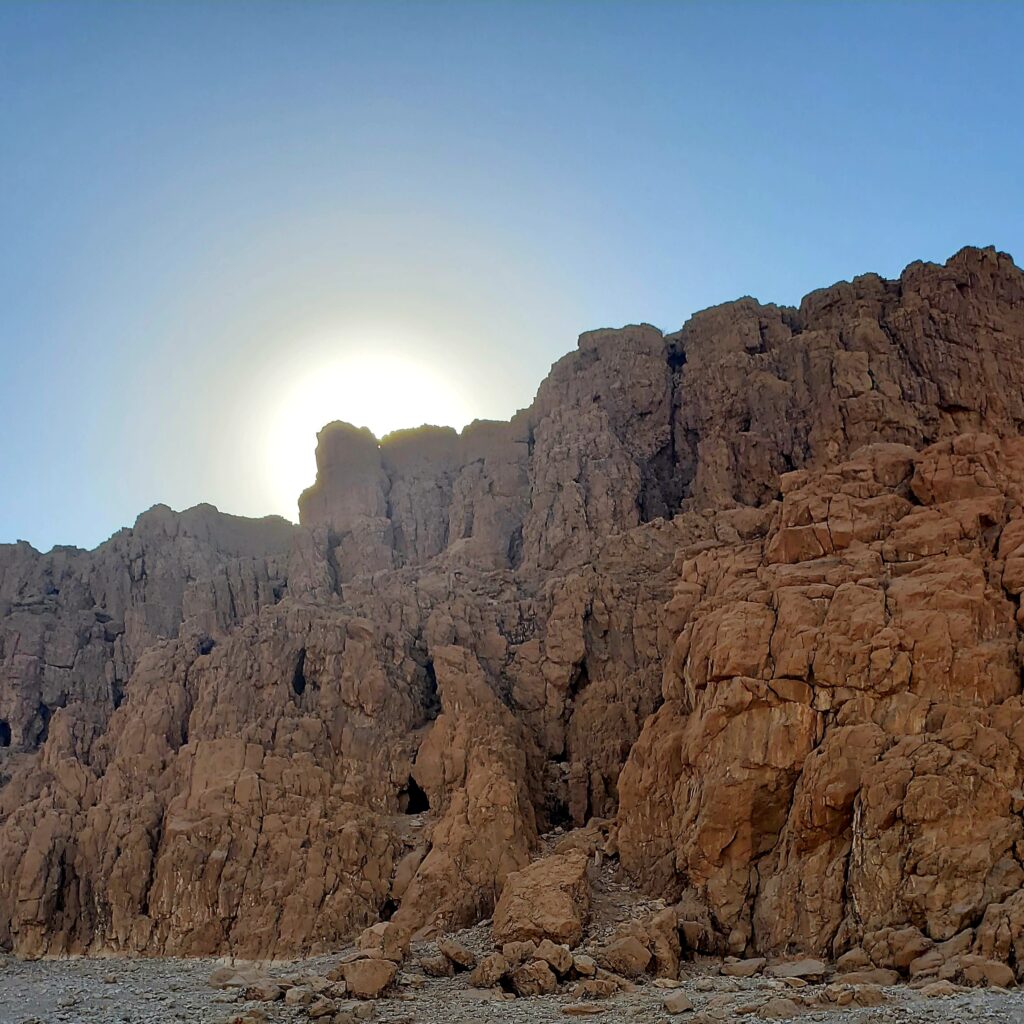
[384, 391]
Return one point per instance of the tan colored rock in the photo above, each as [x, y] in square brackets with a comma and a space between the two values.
[582, 1010]
[459, 955]
[583, 965]
[489, 971]
[748, 594]
[677, 1002]
[385, 940]
[803, 969]
[595, 988]
[743, 968]
[559, 957]
[367, 979]
[299, 995]
[533, 978]
[265, 991]
[779, 1008]
[626, 956]
[321, 1008]
[437, 966]
[548, 900]
[516, 952]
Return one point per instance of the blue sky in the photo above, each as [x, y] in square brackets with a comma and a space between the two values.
[223, 221]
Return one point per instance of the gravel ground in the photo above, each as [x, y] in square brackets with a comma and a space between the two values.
[157, 991]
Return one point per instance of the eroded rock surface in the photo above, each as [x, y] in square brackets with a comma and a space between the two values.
[750, 590]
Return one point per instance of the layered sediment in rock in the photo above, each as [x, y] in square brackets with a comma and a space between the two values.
[751, 590]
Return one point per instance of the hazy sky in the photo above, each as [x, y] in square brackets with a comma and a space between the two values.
[222, 223]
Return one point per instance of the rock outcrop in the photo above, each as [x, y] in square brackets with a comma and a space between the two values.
[750, 590]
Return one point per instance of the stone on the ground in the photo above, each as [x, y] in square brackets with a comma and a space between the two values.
[626, 956]
[534, 978]
[367, 979]
[460, 956]
[489, 971]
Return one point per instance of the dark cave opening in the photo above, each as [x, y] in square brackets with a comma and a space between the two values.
[44, 714]
[5, 733]
[299, 675]
[387, 909]
[431, 700]
[412, 799]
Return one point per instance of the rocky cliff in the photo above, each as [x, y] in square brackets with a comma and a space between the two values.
[749, 593]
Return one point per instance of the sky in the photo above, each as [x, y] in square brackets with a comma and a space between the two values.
[225, 223]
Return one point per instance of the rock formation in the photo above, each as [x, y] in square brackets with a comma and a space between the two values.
[751, 591]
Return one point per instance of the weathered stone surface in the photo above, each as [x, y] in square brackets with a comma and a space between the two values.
[489, 971]
[748, 595]
[548, 900]
[367, 979]
[534, 978]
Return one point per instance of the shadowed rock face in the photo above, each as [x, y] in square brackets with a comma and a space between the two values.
[751, 590]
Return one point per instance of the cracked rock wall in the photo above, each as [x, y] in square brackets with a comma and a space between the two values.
[750, 590]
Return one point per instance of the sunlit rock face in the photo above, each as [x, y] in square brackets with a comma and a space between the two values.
[751, 590]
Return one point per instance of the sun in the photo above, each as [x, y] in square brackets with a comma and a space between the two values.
[384, 391]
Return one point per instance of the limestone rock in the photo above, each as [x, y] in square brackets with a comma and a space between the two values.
[534, 978]
[548, 900]
[461, 957]
[489, 971]
[741, 603]
[367, 979]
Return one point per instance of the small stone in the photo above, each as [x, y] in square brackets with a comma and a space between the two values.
[677, 1002]
[584, 965]
[558, 956]
[437, 966]
[743, 968]
[534, 978]
[322, 1007]
[299, 995]
[489, 971]
[779, 1008]
[462, 958]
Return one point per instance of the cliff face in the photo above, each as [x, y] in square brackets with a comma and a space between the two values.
[751, 590]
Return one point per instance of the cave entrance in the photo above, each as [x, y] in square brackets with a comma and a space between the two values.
[5, 733]
[299, 675]
[412, 799]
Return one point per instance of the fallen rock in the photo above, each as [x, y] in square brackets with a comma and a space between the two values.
[299, 995]
[460, 956]
[585, 966]
[677, 1002]
[321, 1007]
[743, 968]
[265, 991]
[518, 952]
[489, 971]
[559, 957]
[534, 978]
[385, 940]
[871, 976]
[595, 988]
[626, 956]
[549, 899]
[367, 979]
[779, 1008]
[809, 970]
[582, 1010]
[939, 989]
[438, 966]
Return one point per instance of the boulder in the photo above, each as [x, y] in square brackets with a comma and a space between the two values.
[533, 978]
[460, 956]
[626, 956]
[367, 979]
[550, 899]
[489, 971]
